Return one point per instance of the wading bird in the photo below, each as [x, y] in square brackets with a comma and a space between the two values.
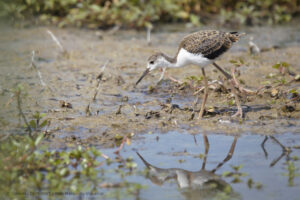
[200, 48]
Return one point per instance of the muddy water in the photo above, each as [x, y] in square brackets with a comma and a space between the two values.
[124, 110]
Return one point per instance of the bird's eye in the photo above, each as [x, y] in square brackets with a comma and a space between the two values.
[151, 62]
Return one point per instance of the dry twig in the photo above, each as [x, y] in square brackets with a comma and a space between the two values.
[54, 38]
[99, 79]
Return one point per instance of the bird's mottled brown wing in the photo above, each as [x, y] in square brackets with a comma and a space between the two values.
[210, 44]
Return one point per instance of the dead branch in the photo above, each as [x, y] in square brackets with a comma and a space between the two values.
[56, 41]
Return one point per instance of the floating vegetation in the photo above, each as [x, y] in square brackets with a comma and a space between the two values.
[293, 172]
[26, 167]
[237, 176]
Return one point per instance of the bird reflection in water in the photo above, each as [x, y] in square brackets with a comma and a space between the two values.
[202, 184]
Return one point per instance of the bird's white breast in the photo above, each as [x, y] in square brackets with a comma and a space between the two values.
[185, 58]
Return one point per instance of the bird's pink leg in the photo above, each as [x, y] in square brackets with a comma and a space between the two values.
[237, 84]
[164, 73]
[205, 95]
[239, 112]
[233, 80]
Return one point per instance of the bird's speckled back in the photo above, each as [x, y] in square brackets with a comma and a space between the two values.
[210, 43]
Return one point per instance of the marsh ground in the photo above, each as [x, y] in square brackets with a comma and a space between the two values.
[144, 113]
[120, 107]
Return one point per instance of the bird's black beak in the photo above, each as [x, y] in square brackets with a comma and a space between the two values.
[143, 75]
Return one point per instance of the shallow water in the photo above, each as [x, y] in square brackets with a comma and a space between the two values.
[266, 166]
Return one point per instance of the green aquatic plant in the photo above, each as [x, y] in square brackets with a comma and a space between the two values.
[293, 172]
[237, 63]
[137, 14]
[283, 76]
[257, 12]
[37, 122]
[194, 79]
[237, 177]
[281, 65]
[26, 167]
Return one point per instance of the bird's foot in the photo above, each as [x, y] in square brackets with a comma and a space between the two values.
[238, 114]
[175, 80]
[237, 85]
[158, 82]
[211, 85]
[171, 79]
[242, 89]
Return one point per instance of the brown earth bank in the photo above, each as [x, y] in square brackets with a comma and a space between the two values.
[74, 75]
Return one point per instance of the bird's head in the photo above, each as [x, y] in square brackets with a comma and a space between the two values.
[155, 61]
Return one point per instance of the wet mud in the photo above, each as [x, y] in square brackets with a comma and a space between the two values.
[90, 97]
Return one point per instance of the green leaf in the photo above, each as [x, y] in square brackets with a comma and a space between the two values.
[194, 20]
[95, 8]
[276, 66]
[63, 171]
[241, 61]
[258, 185]
[226, 174]
[293, 91]
[281, 64]
[237, 167]
[233, 61]
[250, 182]
[44, 123]
[38, 139]
[118, 137]
[284, 64]
[32, 124]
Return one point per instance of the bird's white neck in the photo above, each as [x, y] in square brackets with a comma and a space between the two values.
[167, 61]
[175, 62]
[184, 58]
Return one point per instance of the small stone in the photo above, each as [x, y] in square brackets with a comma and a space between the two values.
[99, 34]
[211, 110]
[64, 104]
[152, 114]
[288, 108]
[274, 92]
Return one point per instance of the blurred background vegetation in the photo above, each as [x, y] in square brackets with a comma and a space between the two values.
[144, 13]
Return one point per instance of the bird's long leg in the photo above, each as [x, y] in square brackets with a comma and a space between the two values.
[228, 76]
[175, 80]
[237, 84]
[206, 145]
[205, 94]
[263, 146]
[228, 157]
[211, 85]
[233, 79]
[162, 74]
[239, 112]
[233, 83]
[163, 71]
[194, 107]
